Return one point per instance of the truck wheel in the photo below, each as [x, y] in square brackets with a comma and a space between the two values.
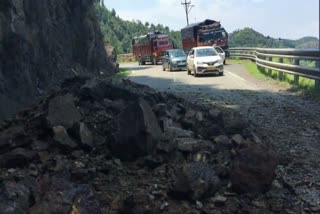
[155, 61]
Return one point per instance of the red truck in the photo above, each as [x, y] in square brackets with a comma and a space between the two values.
[206, 33]
[150, 47]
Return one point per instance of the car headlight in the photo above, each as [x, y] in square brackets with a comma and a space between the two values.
[200, 63]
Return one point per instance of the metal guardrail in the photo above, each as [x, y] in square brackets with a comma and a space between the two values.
[265, 58]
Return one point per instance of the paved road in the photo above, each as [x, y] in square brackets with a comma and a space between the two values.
[154, 76]
[290, 123]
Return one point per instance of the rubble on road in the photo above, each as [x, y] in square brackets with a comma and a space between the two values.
[96, 146]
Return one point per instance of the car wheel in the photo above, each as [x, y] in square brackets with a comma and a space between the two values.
[188, 71]
[143, 62]
[224, 62]
[195, 72]
[170, 67]
[163, 68]
[220, 73]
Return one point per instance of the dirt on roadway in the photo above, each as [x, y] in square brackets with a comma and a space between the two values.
[290, 123]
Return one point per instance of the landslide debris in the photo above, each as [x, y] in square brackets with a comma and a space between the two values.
[96, 146]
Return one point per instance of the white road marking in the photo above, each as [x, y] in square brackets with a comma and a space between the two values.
[236, 76]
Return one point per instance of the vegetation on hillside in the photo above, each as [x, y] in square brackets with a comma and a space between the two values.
[248, 37]
[119, 33]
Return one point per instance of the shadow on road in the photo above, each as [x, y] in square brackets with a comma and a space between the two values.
[136, 68]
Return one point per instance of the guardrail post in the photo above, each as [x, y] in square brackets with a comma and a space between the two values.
[269, 70]
[317, 82]
[296, 77]
[280, 74]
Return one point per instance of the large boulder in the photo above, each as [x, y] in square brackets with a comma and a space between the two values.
[254, 169]
[63, 112]
[194, 181]
[139, 131]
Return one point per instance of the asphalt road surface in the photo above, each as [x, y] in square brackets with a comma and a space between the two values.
[287, 121]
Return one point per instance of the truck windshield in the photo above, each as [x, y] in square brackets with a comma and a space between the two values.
[163, 42]
[212, 36]
[177, 53]
[206, 52]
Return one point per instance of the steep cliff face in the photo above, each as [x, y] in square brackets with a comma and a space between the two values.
[43, 42]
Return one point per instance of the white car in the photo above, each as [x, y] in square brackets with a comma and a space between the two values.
[204, 60]
[221, 53]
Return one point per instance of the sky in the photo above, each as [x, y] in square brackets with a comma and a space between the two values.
[291, 19]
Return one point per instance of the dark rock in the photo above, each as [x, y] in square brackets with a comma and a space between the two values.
[194, 181]
[193, 145]
[13, 137]
[199, 116]
[190, 114]
[138, 203]
[219, 201]
[63, 112]
[86, 135]
[174, 132]
[39, 146]
[254, 169]
[17, 157]
[61, 136]
[139, 132]
[238, 139]
[186, 144]
[160, 110]
[82, 133]
[215, 114]
[223, 142]
[62, 196]
[234, 123]
[14, 197]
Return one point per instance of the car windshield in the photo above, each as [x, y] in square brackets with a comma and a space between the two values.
[206, 52]
[177, 53]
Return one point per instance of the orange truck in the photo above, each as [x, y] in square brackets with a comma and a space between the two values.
[206, 33]
[150, 47]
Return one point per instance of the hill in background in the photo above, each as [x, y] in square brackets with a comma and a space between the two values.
[120, 32]
[248, 37]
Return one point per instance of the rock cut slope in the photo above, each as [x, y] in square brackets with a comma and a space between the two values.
[43, 42]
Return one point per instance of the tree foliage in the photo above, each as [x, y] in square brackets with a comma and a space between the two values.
[248, 37]
[119, 33]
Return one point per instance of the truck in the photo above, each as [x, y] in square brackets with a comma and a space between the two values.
[150, 47]
[205, 33]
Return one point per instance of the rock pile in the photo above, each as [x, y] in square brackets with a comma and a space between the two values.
[96, 146]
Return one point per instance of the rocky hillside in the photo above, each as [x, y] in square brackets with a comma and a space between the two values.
[43, 42]
[248, 37]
